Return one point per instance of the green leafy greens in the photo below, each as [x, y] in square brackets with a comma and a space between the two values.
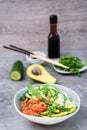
[74, 63]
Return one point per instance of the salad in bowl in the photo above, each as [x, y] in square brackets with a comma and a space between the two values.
[47, 103]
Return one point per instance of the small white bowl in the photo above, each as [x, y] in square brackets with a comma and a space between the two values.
[32, 60]
[48, 121]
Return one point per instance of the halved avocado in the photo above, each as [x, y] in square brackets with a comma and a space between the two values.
[39, 73]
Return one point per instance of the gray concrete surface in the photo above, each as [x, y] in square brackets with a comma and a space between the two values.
[10, 119]
[25, 23]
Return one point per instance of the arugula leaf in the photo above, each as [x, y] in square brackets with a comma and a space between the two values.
[47, 102]
[37, 115]
[23, 97]
[63, 108]
[45, 90]
[70, 99]
[74, 63]
[51, 110]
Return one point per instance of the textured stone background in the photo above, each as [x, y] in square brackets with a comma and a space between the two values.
[25, 23]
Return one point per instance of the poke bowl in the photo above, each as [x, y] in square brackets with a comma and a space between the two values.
[46, 104]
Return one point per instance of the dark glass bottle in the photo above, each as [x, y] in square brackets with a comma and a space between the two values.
[53, 39]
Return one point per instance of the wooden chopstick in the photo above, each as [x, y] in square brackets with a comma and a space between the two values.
[20, 50]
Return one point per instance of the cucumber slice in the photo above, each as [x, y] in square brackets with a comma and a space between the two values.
[15, 75]
[27, 95]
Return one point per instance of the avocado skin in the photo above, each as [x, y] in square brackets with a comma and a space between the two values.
[44, 77]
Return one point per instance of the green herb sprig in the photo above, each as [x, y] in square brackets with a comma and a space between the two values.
[74, 63]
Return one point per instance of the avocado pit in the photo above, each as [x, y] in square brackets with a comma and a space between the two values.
[36, 71]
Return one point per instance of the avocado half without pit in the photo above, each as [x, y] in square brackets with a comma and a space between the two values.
[39, 73]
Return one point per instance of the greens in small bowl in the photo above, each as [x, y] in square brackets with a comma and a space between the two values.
[47, 103]
[75, 64]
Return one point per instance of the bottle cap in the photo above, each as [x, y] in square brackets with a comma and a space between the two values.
[53, 19]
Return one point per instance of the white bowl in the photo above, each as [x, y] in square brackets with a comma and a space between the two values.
[53, 120]
[32, 60]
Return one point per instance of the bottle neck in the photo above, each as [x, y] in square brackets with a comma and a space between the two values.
[53, 28]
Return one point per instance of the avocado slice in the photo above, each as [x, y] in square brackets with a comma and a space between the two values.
[65, 112]
[38, 73]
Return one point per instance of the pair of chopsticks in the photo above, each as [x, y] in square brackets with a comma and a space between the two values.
[23, 51]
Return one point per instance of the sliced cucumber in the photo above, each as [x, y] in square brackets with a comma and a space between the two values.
[27, 95]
